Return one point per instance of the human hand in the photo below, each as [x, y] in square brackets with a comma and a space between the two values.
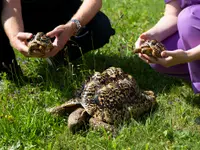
[149, 35]
[19, 42]
[170, 58]
[62, 34]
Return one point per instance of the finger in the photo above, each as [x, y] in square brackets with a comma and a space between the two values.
[143, 37]
[52, 53]
[153, 60]
[54, 50]
[58, 42]
[168, 53]
[54, 32]
[24, 53]
[137, 44]
[24, 35]
[144, 58]
[23, 48]
[168, 59]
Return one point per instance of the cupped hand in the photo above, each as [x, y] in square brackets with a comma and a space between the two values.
[170, 58]
[62, 34]
[143, 37]
[19, 42]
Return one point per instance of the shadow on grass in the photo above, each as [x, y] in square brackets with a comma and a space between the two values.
[145, 76]
[70, 76]
[193, 100]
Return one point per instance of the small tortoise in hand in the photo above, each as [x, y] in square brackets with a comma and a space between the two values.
[152, 48]
[39, 45]
[106, 100]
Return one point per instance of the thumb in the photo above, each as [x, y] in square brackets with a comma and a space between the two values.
[144, 36]
[24, 35]
[168, 53]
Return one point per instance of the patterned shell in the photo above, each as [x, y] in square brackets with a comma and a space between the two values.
[152, 48]
[39, 45]
[109, 95]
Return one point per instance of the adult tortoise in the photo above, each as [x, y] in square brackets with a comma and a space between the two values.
[106, 100]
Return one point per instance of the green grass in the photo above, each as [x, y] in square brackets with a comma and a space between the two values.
[24, 123]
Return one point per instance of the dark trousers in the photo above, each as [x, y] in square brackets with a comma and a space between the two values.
[43, 17]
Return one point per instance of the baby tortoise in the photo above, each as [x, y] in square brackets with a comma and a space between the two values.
[151, 48]
[39, 45]
[106, 100]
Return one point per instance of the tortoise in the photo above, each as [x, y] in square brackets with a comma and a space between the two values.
[105, 101]
[151, 48]
[39, 45]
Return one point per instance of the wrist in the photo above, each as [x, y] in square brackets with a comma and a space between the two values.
[193, 54]
[73, 29]
[76, 25]
[189, 56]
[152, 33]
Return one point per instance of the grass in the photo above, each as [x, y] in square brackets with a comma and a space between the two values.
[24, 123]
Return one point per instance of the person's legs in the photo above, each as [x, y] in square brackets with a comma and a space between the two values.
[95, 35]
[40, 17]
[189, 31]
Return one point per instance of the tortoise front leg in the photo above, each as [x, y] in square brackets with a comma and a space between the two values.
[98, 124]
[65, 108]
[78, 120]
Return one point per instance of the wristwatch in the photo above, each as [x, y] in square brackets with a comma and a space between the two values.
[78, 26]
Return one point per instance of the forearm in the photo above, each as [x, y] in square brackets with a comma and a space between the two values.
[193, 54]
[12, 18]
[87, 11]
[165, 27]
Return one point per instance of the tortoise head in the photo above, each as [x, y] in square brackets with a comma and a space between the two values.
[88, 100]
[78, 120]
[137, 50]
[149, 99]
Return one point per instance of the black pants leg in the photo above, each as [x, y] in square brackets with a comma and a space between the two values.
[95, 35]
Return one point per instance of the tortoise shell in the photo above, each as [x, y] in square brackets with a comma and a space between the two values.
[109, 97]
[39, 45]
[151, 48]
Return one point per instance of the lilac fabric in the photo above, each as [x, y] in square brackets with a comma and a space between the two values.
[185, 3]
[187, 37]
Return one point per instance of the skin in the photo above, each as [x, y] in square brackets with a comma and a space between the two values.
[14, 27]
[165, 27]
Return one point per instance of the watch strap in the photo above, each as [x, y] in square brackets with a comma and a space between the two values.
[78, 25]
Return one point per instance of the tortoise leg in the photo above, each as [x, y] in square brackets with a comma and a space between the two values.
[78, 120]
[149, 93]
[147, 51]
[98, 124]
[65, 108]
[150, 98]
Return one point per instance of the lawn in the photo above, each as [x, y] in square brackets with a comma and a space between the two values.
[175, 124]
